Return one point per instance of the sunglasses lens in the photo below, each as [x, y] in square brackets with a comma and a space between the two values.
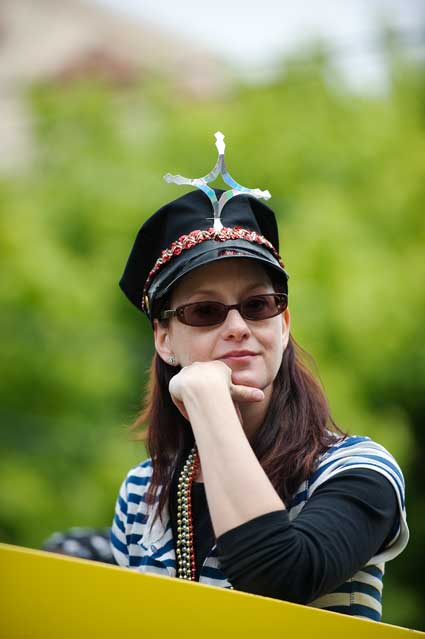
[263, 306]
[257, 307]
[204, 313]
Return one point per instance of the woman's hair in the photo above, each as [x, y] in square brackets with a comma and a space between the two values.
[296, 431]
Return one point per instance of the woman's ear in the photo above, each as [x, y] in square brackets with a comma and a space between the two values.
[286, 325]
[162, 341]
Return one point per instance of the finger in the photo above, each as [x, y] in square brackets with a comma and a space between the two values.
[246, 393]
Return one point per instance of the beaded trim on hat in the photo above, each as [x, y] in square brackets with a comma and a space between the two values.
[196, 237]
[219, 169]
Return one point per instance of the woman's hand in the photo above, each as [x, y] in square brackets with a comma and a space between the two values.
[208, 378]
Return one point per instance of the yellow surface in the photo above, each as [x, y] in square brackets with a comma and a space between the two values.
[48, 596]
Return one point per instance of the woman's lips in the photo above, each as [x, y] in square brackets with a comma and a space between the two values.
[240, 357]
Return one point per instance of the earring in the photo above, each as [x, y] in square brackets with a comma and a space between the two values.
[171, 360]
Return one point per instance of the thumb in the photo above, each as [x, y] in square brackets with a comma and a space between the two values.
[246, 393]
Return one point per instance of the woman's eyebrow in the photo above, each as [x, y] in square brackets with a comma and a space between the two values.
[204, 291]
[215, 292]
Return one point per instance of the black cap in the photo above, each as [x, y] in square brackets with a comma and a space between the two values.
[180, 236]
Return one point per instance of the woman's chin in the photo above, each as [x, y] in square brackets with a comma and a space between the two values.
[245, 378]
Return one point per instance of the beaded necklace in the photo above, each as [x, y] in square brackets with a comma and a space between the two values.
[186, 567]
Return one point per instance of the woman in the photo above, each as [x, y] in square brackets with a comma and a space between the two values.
[249, 484]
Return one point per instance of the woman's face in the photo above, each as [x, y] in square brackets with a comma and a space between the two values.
[252, 349]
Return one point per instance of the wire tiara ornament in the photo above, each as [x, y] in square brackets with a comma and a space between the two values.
[219, 169]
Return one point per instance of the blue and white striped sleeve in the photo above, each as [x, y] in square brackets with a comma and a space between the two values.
[118, 530]
[362, 452]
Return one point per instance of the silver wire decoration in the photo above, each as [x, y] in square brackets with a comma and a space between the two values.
[219, 168]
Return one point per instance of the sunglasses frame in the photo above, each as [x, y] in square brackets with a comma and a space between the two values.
[179, 311]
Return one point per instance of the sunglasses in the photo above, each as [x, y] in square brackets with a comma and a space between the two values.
[254, 308]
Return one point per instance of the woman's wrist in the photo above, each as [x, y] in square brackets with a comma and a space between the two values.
[202, 388]
[209, 403]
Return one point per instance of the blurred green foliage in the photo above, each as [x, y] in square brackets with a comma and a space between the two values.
[347, 175]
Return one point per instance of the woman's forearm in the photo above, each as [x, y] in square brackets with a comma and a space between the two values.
[237, 488]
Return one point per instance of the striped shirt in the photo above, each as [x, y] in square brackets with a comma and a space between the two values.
[144, 547]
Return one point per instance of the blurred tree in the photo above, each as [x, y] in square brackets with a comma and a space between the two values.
[347, 178]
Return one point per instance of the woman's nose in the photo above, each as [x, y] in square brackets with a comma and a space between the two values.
[235, 326]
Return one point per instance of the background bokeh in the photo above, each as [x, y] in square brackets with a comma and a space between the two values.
[347, 176]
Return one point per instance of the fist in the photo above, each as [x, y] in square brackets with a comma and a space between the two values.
[206, 378]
